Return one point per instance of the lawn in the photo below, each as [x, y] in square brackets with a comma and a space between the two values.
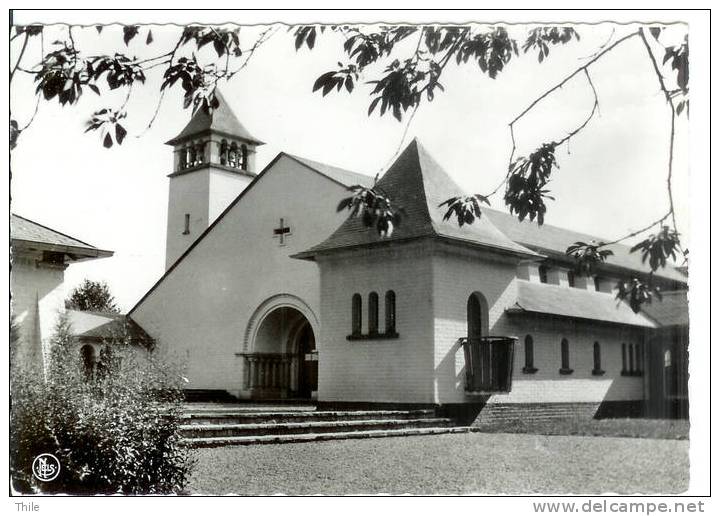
[616, 427]
[489, 463]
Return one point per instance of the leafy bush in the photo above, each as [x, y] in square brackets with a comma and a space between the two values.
[114, 429]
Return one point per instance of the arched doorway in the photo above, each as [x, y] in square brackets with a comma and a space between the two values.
[307, 361]
[477, 316]
[88, 360]
[282, 361]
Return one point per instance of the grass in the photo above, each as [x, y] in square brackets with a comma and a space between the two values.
[627, 427]
[487, 463]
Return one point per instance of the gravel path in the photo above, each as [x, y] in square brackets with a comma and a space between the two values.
[447, 464]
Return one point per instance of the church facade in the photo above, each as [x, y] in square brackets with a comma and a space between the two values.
[269, 293]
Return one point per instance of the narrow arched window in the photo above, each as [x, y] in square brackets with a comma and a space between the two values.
[543, 272]
[597, 360]
[243, 157]
[598, 283]
[624, 359]
[232, 155]
[529, 355]
[571, 279]
[373, 313]
[223, 152]
[565, 357]
[390, 312]
[191, 155]
[200, 153]
[356, 314]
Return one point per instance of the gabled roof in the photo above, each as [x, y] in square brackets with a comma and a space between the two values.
[554, 300]
[27, 233]
[671, 310]
[552, 240]
[97, 326]
[417, 183]
[222, 120]
[340, 176]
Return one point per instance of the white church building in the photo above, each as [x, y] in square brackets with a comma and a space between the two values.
[269, 293]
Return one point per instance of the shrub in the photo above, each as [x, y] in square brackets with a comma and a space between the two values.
[114, 429]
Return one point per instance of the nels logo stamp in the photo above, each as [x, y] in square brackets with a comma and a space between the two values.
[46, 467]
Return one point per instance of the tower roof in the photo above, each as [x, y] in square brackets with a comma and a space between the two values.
[418, 184]
[222, 120]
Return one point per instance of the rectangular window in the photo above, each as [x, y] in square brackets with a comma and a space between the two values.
[186, 231]
[565, 357]
[529, 356]
[571, 278]
[543, 272]
[597, 361]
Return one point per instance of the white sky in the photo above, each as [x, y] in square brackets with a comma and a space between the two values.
[611, 180]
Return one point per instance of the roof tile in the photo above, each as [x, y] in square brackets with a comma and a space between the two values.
[417, 183]
[222, 120]
[576, 303]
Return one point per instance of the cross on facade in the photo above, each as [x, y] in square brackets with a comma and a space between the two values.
[282, 231]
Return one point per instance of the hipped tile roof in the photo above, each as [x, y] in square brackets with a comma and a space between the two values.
[222, 120]
[26, 230]
[541, 298]
[417, 183]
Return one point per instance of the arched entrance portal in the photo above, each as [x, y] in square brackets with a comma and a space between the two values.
[283, 359]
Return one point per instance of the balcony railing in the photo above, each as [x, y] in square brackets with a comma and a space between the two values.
[267, 370]
[488, 364]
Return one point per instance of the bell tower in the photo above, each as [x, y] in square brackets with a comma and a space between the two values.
[214, 161]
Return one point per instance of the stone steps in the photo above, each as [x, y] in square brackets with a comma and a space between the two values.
[206, 442]
[308, 427]
[508, 413]
[246, 416]
[227, 424]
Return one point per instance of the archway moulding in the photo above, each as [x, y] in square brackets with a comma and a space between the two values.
[270, 305]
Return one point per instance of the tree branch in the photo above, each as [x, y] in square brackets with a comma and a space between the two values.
[671, 105]
[595, 106]
[573, 74]
[637, 232]
[155, 114]
[262, 39]
[22, 52]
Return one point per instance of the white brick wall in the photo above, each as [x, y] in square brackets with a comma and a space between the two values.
[38, 295]
[457, 276]
[379, 370]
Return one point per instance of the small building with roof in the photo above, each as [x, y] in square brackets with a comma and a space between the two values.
[40, 256]
[275, 295]
[95, 333]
